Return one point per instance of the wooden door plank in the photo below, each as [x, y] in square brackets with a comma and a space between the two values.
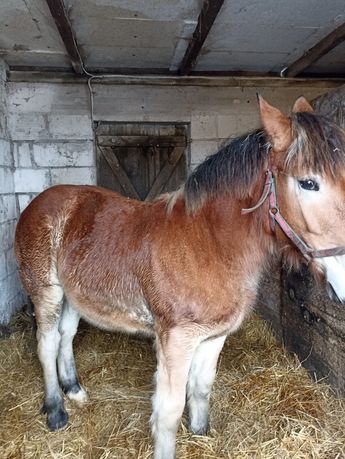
[150, 155]
[122, 177]
[165, 173]
[157, 162]
[141, 140]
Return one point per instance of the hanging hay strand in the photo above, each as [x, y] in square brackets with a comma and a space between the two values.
[263, 404]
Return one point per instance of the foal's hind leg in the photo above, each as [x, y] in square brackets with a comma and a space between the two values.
[48, 309]
[66, 365]
[175, 350]
[200, 381]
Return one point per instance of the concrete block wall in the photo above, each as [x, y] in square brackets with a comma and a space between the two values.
[39, 165]
[52, 138]
[11, 297]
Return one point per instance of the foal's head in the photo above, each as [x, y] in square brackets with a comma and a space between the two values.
[308, 160]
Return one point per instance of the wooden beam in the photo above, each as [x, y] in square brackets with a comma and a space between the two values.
[21, 72]
[58, 11]
[316, 52]
[205, 81]
[141, 141]
[207, 16]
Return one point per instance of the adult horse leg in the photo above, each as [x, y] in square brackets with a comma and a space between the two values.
[48, 311]
[66, 365]
[175, 350]
[200, 380]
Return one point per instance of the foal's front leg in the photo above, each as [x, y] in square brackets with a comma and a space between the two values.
[200, 381]
[174, 354]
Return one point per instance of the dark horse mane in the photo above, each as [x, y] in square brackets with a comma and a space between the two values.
[234, 168]
[318, 147]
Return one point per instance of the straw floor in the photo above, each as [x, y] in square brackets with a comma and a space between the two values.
[263, 404]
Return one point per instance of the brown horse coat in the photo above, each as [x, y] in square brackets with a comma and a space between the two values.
[126, 265]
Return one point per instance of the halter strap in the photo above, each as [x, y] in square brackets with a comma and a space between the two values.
[267, 189]
[308, 252]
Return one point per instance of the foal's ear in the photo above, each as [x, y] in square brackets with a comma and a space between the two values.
[302, 105]
[276, 125]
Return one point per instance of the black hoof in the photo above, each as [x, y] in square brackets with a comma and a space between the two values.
[71, 387]
[44, 409]
[57, 418]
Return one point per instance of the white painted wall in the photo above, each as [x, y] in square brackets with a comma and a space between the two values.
[11, 297]
[52, 138]
[50, 126]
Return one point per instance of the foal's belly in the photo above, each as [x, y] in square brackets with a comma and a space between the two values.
[130, 314]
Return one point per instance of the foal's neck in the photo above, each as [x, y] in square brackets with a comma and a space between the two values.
[247, 235]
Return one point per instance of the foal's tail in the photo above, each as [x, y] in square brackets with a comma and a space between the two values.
[31, 312]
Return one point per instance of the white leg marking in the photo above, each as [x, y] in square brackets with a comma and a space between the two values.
[48, 346]
[200, 381]
[79, 397]
[66, 364]
[173, 363]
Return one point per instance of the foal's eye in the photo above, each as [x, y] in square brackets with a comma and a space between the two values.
[309, 185]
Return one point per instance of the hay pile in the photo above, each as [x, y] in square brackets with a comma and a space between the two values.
[263, 403]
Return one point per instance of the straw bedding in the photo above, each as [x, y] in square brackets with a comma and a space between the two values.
[263, 404]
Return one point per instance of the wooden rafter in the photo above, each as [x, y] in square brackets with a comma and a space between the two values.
[231, 80]
[316, 52]
[207, 16]
[58, 11]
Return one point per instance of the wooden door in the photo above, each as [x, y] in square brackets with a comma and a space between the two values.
[141, 161]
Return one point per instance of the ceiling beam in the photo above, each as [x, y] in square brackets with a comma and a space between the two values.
[316, 52]
[58, 11]
[17, 76]
[144, 72]
[207, 16]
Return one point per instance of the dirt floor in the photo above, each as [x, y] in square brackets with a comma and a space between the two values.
[263, 404]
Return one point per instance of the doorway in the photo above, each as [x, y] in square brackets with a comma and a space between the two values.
[141, 160]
